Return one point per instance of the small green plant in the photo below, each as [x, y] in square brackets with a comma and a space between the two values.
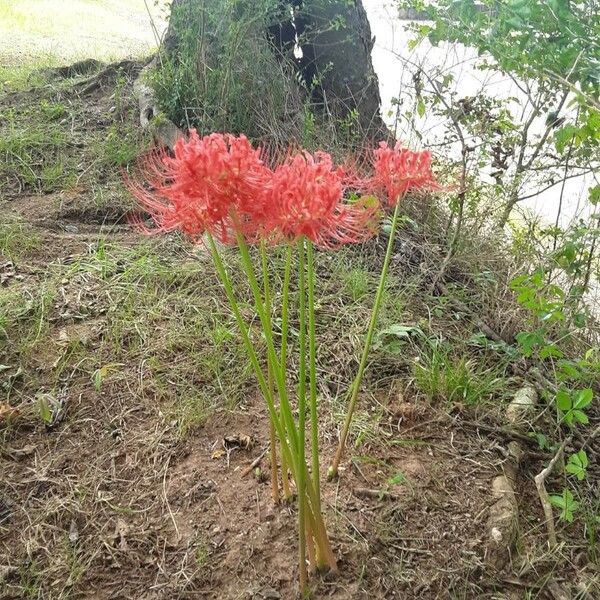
[102, 373]
[577, 465]
[356, 283]
[554, 316]
[567, 505]
[571, 405]
[53, 111]
[442, 376]
[190, 413]
[30, 580]
[44, 406]
[120, 147]
[201, 554]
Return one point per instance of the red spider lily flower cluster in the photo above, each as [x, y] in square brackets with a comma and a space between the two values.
[220, 184]
[399, 170]
[206, 184]
[307, 200]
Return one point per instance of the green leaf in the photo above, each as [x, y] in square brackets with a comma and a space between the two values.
[563, 401]
[594, 193]
[528, 340]
[564, 136]
[401, 331]
[550, 350]
[421, 108]
[583, 399]
[567, 503]
[397, 479]
[580, 416]
[577, 465]
[541, 439]
[568, 370]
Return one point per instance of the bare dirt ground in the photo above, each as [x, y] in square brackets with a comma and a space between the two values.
[124, 394]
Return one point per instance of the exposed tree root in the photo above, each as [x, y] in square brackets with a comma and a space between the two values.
[164, 131]
[81, 67]
[503, 521]
[107, 74]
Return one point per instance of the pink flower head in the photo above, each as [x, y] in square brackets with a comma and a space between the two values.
[400, 170]
[306, 199]
[216, 183]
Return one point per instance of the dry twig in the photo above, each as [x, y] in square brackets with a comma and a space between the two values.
[540, 484]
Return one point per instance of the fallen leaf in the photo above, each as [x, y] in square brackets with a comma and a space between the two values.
[8, 412]
[239, 440]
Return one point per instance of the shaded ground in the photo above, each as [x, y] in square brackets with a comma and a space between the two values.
[123, 380]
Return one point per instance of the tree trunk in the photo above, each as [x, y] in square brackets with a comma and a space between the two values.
[335, 69]
[337, 45]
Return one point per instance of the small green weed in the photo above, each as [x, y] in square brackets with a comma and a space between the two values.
[442, 376]
[357, 283]
[17, 238]
[20, 77]
[120, 147]
[35, 156]
[24, 315]
[190, 413]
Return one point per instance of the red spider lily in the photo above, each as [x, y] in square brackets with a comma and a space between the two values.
[216, 183]
[306, 199]
[399, 170]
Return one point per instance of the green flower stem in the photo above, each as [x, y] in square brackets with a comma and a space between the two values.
[314, 422]
[273, 359]
[301, 477]
[333, 470]
[262, 382]
[285, 302]
[287, 495]
[272, 436]
[289, 450]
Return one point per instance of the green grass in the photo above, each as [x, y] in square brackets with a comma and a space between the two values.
[24, 313]
[120, 147]
[16, 78]
[58, 31]
[190, 413]
[444, 375]
[17, 238]
[35, 155]
[173, 316]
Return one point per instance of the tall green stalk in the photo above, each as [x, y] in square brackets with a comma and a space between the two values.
[272, 357]
[333, 469]
[243, 328]
[285, 302]
[301, 478]
[272, 436]
[287, 431]
[314, 421]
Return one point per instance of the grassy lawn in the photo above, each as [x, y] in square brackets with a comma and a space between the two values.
[53, 31]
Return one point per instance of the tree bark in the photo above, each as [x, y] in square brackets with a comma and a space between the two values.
[337, 38]
[336, 67]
